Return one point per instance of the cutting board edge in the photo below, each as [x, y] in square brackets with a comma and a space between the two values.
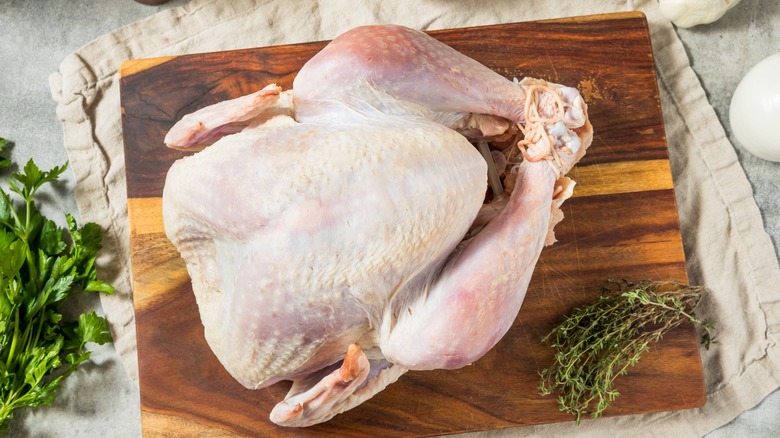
[137, 65]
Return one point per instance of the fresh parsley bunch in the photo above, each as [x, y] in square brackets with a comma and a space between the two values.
[40, 268]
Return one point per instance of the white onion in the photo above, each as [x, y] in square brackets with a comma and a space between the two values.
[689, 13]
[755, 110]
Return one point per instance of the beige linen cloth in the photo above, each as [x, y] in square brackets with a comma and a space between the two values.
[726, 246]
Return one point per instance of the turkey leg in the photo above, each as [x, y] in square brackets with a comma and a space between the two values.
[407, 65]
[454, 318]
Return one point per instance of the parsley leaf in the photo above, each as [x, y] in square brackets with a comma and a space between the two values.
[4, 162]
[39, 270]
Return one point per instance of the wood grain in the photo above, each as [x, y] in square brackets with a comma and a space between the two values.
[622, 223]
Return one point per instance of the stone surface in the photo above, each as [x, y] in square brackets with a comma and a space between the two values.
[100, 398]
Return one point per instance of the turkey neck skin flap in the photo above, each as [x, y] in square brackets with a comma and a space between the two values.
[324, 227]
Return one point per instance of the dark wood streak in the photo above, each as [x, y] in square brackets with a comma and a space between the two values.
[614, 235]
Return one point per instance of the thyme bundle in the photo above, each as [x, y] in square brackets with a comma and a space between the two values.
[600, 341]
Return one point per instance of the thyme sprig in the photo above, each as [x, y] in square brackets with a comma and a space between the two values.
[598, 342]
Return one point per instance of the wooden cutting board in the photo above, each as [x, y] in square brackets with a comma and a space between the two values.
[621, 224]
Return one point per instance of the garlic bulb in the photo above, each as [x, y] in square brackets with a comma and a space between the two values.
[689, 13]
[754, 112]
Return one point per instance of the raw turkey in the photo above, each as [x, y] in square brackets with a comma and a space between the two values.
[338, 235]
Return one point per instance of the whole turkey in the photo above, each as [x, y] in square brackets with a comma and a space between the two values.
[342, 233]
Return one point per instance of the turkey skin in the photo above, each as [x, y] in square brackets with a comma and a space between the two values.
[337, 235]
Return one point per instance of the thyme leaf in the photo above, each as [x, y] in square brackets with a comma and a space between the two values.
[598, 342]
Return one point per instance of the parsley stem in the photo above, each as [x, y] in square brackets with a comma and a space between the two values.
[14, 340]
[27, 216]
[31, 260]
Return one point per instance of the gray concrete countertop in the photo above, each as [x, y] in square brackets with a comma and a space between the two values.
[100, 400]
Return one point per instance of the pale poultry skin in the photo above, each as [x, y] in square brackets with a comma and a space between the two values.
[324, 227]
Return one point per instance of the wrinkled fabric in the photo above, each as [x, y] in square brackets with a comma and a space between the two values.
[726, 246]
